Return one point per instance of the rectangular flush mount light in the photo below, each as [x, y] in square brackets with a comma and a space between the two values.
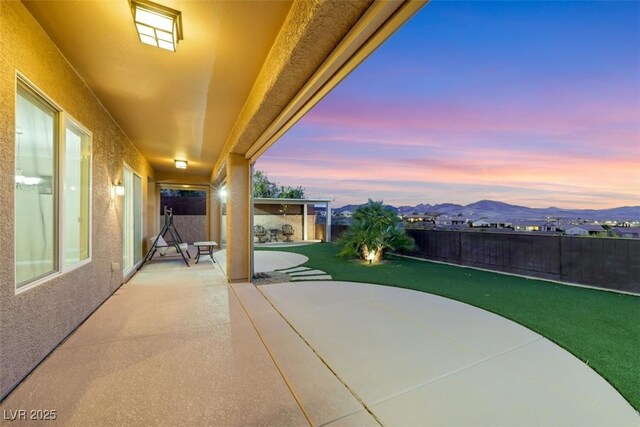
[157, 25]
[181, 164]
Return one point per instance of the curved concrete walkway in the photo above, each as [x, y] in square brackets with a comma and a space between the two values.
[264, 261]
[418, 359]
[276, 260]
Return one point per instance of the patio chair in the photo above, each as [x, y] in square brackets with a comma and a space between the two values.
[287, 232]
[261, 234]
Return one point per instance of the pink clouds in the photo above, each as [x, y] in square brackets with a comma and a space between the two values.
[474, 123]
[536, 173]
[582, 173]
[519, 119]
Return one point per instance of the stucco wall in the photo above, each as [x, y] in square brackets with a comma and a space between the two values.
[192, 228]
[296, 221]
[34, 322]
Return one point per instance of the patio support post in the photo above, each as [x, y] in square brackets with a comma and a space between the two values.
[238, 227]
[328, 223]
[305, 225]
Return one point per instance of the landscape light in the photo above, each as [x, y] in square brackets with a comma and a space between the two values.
[371, 256]
[157, 25]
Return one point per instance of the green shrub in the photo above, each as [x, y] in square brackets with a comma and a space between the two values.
[374, 231]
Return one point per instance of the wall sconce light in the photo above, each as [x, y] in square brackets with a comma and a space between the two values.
[181, 164]
[157, 25]
[223, 193]
[118, 189]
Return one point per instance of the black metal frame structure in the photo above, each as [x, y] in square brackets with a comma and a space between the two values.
[174, 242]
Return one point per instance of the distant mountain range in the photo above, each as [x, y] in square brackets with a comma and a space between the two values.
[494, 209]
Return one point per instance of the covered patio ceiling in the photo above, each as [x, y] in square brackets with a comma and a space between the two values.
[171, 105]
[243, 74]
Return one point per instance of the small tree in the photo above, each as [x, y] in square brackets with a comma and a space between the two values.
[291, 192]
[263, 187]
[374, 231]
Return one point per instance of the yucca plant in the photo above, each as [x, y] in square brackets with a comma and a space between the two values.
[373, 232]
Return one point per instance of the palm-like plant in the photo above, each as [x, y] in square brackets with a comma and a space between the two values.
[373, 232]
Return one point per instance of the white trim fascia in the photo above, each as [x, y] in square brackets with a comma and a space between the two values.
[276, 201]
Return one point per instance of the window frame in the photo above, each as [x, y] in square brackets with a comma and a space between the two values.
[126, 271]
[62, 118]
[68, 118]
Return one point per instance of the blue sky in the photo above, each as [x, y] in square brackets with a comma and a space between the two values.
[534, 103]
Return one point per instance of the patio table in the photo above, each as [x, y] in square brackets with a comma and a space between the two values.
[274, 233]
[205, 248]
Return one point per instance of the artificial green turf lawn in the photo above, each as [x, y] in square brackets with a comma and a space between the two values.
[601, 328]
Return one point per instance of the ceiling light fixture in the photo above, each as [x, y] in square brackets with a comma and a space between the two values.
[157, 25]
[181, 164]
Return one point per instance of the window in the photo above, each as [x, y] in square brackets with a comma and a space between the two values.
[35, 187]
[137, 219]
[131, 220]
[52, 189]
[77, 183]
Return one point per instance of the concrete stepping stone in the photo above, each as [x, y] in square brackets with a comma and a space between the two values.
[306, 273]
[291, 270]
[310, 278]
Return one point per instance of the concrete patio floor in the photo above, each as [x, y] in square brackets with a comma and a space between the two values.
[172, 347]
[418, 359]
[178, 346]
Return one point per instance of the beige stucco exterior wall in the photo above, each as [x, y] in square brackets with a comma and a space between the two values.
[36, 321]
[296, 221]
[153, 213]
[215, 217]
[192, 228]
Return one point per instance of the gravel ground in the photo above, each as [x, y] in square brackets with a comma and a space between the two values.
[269, 278]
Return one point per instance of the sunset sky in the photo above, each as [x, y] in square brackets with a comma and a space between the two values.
[532, 103]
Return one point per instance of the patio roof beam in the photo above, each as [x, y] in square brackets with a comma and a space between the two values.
[375, 26]
[275, 201]
[319, 44]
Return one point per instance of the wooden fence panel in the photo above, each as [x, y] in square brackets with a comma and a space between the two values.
[602, 262]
